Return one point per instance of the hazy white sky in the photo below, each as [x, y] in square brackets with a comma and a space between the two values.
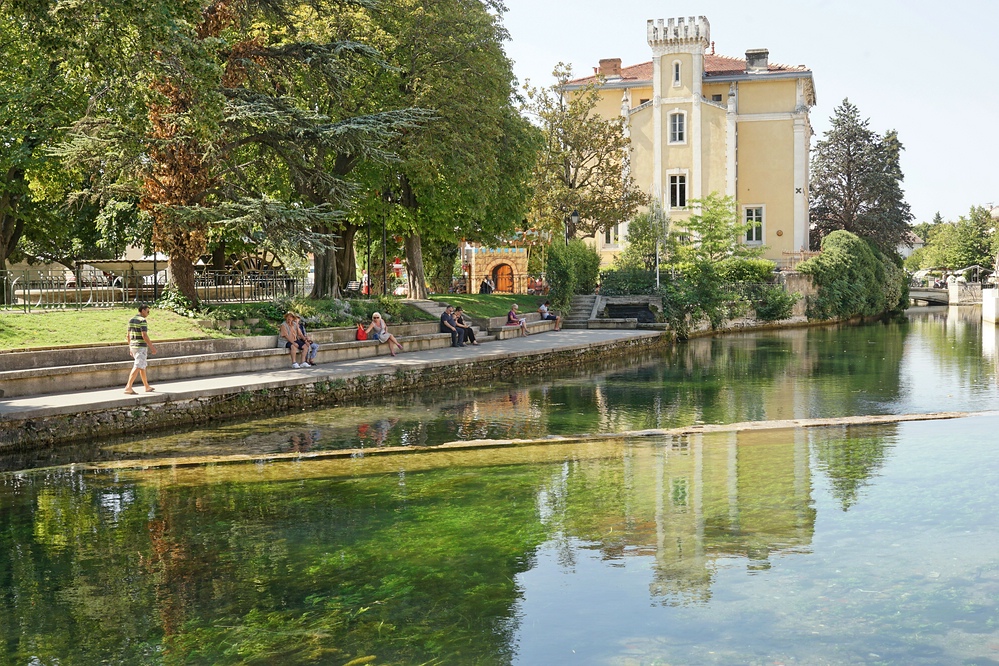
[928, 70]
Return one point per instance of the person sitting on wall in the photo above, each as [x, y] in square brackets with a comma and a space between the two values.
[466, 326]
[548, 315]
[313, 346]
[449, 325]
[291, 335]
[378, 330]
[513, 318]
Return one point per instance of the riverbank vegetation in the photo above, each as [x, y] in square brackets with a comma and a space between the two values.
[854, 279]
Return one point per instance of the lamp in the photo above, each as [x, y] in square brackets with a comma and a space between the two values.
[574, 218]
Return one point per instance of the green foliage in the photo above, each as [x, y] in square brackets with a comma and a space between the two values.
[173, 301]
[648, 234]
[970, 241]
[580, 164]
[572, 269]
[740, 269]
[856, 182]
[773, 302]
[626, 281]
[716, 232]
[853, 279]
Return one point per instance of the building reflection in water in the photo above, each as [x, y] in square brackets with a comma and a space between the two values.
[687, 503]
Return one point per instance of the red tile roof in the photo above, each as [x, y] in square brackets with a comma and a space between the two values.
[714, 65]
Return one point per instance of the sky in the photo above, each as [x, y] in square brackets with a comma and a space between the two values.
[928, 70]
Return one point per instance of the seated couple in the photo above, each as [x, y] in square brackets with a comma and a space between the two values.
[453, 321]
[297, 341]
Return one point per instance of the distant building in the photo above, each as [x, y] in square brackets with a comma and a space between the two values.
[911, 243]
[701, 123]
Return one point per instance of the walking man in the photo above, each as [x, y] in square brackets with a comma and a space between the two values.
[139, 346]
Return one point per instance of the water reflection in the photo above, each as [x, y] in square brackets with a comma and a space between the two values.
[494, 556]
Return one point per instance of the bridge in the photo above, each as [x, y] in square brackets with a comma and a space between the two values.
[930, 295]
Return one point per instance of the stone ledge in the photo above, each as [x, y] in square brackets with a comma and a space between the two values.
[132, 416]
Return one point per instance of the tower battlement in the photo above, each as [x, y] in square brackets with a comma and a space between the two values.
[662, 32]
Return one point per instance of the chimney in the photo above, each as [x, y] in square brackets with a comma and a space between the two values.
[757, 60]
[610, 67]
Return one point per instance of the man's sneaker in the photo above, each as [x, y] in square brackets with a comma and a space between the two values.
[295, 365]
[306, 365]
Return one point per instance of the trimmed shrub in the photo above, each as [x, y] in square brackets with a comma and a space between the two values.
[628, 281]
[739, 269]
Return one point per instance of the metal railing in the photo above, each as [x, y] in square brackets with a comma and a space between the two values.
[29, 290]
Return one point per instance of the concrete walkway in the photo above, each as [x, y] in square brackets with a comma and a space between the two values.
[31, 407]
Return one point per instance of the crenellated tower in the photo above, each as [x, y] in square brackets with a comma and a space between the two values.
[676, 35]
[678, 46]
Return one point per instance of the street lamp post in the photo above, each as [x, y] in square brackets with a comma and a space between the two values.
[574, 218]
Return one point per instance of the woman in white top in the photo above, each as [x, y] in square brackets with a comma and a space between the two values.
[379, 331]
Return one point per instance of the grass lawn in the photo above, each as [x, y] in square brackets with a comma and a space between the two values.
[51, 328]
[78, 327]
[491, 305]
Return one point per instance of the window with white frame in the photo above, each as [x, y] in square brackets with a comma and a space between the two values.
[678, 127]
[754, 224]
[676, 73]
[611, 235]
[678, 191]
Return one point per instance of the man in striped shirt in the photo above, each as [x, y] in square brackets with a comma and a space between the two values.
[139, 346]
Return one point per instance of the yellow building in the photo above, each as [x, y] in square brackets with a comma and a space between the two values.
[701, 123]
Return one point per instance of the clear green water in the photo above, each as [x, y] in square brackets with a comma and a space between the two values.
[859, 545]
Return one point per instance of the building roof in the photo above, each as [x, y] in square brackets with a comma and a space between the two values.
[714, 66]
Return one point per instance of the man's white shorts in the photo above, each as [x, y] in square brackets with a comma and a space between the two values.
[141, 356]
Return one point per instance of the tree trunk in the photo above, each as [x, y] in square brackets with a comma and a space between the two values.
[10, 233]
[346, 260]
[414, 267]
[327, 279]
[182, 276]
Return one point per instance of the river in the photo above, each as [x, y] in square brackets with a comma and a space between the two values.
[837, 545]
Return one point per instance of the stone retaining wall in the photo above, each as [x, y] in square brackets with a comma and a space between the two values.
[134, 420]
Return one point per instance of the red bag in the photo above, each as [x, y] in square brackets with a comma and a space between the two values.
[361, 333]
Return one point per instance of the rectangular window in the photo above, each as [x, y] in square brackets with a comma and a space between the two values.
[716, 98]
[754, 224]
[677, 129]
[676, 75]
[611, 235]
[678, 191]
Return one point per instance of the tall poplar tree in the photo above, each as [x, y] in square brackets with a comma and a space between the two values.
[856, 183]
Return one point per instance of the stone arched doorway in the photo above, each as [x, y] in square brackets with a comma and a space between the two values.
[503, 278]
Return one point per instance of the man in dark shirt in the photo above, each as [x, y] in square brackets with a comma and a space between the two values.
[448, 325]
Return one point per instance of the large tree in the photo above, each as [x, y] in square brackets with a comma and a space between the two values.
[856, 183]
[40, 93]
[210, 121]
[464, 174]
[583, 165]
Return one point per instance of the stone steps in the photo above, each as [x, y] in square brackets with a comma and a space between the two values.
[579, 312]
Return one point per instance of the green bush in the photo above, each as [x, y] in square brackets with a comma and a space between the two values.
[739, 269]
[853, 279]
[628, 281]
[772, 302]
[572, 269]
